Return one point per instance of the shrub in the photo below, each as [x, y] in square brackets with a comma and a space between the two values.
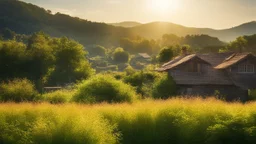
[59, 96]
[18, 90]
[252, 94]
[97, 50]
[120, 55]
[164, 88]
[143, 81]
[165, 54]
[104, 88]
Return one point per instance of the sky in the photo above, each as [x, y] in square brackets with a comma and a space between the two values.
[217, 14]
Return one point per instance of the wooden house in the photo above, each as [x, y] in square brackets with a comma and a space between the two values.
[230, 74]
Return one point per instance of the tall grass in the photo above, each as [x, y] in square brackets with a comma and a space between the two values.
[18, 90]
[177, 121]
[59, 96]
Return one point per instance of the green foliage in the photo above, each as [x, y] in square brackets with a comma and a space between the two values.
[18, 90]
[129, 70]
[104, 88]
[142, 81]
[121, 56]
[44, 60]
[97, 50]
[165, 55]
[238, 45]
[171, 40]
[41, 55]
[13, 60]
[58, 97]
[164, 88]
[252, 94]
[139, 45]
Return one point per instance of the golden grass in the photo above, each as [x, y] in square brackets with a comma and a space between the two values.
[150, 121]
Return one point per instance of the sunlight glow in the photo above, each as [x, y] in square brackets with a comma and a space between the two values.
[163, 6]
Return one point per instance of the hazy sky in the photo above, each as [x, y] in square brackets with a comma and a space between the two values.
[216, 14]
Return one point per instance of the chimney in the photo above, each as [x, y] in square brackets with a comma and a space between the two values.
[184, 51]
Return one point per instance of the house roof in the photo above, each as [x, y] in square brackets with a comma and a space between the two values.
[233, 59]
[178, 61]
[144, 55]
[216, 76]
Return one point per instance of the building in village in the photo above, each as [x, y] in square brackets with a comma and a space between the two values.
[230, 74]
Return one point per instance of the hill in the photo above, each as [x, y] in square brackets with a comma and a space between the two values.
[24, 18]
[27, 18]
[126, 24]
[157, 29]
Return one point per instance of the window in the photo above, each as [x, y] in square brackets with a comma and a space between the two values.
[246, 68]
[194, 67]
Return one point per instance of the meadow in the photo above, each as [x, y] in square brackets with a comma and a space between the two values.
[176, 121]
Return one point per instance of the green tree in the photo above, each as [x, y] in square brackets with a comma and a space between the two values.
[166, 54]
[71, 63]
[41, 56]
[170, 40]
[164, 88]
[239, 45]
[120, 55]
[13, 60]
[97, 50]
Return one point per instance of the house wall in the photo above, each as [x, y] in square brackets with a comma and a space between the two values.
[207, 75]
[229, 92]
[245, 80]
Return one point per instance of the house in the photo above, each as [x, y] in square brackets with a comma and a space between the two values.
[231, 74]
[140, 60]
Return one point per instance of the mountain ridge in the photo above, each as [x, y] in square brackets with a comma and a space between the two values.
[26, 18]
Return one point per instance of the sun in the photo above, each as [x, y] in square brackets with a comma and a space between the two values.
[163, 6]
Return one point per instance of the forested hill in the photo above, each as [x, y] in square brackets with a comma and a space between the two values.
[157, 29]
[126, 24]
[26, 18]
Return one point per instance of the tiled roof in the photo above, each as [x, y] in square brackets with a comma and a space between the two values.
[233, 59]
[177, 61]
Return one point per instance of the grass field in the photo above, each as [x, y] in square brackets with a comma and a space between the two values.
[174, 121]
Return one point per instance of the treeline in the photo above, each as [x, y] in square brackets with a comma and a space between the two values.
[44, 60]
[198, 43]
[242, 44]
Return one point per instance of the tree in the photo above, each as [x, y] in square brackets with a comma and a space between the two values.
[170, 40]
[71, 64]
[164, 88]
[41, 56]
[239, 45]
[97, 50]
[120, 55]
[166, 54]
[13, 60]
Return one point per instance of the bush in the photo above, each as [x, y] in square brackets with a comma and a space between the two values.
[143, 81]
[164, 88]
[121, 56]
[252, 94]
[59, 96]
[18, 90]
[165, 54]
[97, 50]
[104, 88]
